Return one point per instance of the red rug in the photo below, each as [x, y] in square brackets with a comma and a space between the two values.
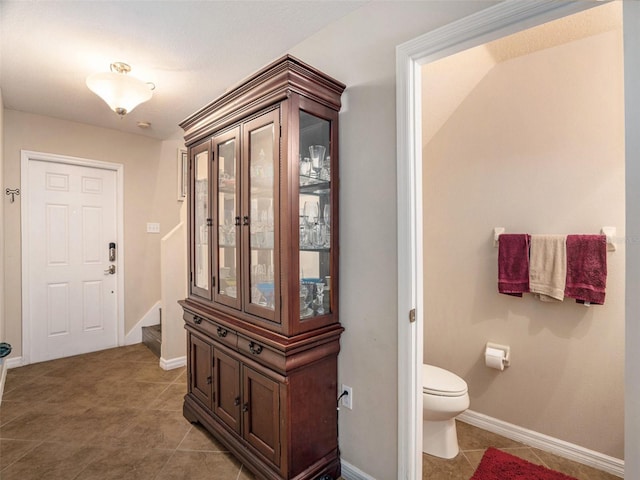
[498, 465]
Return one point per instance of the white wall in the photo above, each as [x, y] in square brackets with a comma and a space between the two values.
[149, 195]
[537, 147]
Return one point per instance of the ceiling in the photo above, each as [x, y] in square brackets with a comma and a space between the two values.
[191, 50]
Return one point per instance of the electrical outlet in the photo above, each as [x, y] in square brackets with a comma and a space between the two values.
[347, 400]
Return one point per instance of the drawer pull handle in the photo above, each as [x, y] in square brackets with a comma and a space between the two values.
[222, 332]
[255, 349]
[245, 407]
[236, 402]
[197, 320]
[209, 380]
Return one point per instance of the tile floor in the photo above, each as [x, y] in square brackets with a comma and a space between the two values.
[474, 441]
[116, 414]
[106, 415]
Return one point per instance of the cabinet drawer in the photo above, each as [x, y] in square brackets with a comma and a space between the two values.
[212, 329]
[261, 353]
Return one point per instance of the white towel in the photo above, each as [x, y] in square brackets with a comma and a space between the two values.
[548, 267]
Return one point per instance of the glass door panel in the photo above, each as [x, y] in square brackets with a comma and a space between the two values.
[201, 273]
[262, 156]
[314, 216]
[226, 151]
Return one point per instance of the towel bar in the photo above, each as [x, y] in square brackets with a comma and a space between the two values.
[609, 232]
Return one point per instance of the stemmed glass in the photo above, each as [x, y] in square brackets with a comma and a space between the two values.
[319, 298]
[327, 225]
[311, 212]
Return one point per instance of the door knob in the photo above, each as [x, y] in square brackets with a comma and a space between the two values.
[111, 270]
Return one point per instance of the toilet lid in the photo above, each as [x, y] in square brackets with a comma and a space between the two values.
[438, 381]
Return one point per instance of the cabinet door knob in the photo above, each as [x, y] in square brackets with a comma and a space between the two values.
[197, 320]
[222, 332]
[245, 220]
[237, 221]
[255, 349]
[236, 402]
[245, 407]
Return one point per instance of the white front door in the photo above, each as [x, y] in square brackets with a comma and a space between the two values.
[72, 296]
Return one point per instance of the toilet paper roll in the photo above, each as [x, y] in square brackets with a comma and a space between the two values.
[494, 358]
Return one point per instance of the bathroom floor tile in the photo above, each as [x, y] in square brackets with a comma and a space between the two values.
[474, 438]
[474, 441]
[577, 470]
[434, 468]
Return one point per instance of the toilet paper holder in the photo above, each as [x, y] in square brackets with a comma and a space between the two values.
[506, 359]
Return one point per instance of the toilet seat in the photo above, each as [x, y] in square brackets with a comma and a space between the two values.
[443, 383]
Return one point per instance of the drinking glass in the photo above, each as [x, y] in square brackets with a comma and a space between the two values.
[317, 156]
[311, 212]
[305, 166]
[325, 173]
[304, 233]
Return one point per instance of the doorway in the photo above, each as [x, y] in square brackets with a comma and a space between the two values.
[72, 287]
[495, 22]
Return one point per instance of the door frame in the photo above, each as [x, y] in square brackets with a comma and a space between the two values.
[25, 157]
[484, 26]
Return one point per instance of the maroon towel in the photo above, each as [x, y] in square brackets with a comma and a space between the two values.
[586, 268]
[513, 263]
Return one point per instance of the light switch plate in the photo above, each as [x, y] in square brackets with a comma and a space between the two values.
[153, 228]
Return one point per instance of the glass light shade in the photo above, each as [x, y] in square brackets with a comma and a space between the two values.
[121, 92]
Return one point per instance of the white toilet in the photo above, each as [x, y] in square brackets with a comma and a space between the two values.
[445, 396]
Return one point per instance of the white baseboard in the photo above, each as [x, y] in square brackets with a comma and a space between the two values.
[579, 454]
[171, 363]
[14, 362]
[3, 376]
[152, 317]
[349, 472]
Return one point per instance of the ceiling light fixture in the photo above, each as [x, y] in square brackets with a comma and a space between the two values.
[121, 92]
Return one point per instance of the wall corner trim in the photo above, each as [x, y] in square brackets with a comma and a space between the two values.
[349, 472]
[171, 363]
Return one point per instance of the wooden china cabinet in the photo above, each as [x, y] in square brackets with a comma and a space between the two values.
[263, 334]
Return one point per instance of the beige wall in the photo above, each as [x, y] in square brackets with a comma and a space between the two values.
[2, 228]
[632, 300]
[537, 147]
[359, 50]
[149, 196]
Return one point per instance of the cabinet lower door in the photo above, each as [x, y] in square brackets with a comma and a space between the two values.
[200, 374]
[227, 383]
[261, 413]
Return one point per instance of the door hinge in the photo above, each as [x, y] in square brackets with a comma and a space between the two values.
[412, 315]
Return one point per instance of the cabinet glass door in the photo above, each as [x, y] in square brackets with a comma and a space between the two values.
[227, 219]
[262, 159]
[315, 216]
[201, 221]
